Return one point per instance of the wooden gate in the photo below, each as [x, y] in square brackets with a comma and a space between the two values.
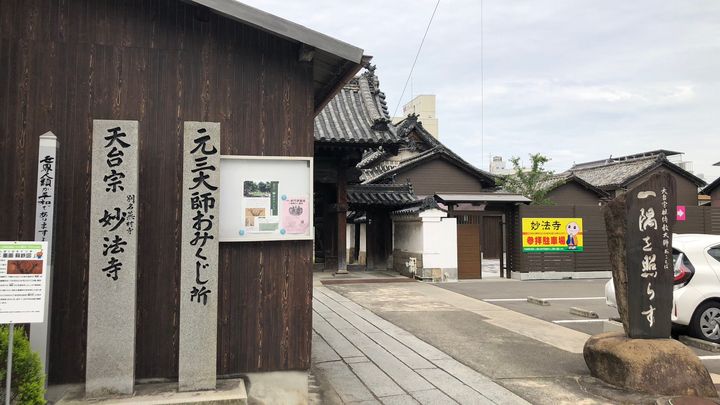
[468, 246]
[492, 237]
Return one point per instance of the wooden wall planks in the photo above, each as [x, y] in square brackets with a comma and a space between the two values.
[160, 62]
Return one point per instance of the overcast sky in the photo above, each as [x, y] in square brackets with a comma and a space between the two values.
[574, 80]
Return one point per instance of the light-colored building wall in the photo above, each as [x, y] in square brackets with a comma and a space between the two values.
[350, 243]
[424, 107]
[425, 245]
[440, 244]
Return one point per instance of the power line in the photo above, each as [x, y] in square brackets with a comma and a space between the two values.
[416, 58]
[482, 85]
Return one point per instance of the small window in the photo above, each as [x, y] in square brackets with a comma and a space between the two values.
[714, 252]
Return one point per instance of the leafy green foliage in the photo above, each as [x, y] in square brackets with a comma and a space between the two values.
[534, 183]
[28, 381]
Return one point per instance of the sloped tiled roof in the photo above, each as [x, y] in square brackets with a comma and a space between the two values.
[372, 156]
[617, 174]
[648, 154]
[358, 114]
[433, 149]
[381, 194]
[419, 206]
[560, 179]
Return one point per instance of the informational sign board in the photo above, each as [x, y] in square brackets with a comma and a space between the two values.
[266, 198]
[23, 268]
[552, 234]
[649, 210]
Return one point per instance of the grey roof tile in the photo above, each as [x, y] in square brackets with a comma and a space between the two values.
[357, 114]
[615, 174]
[425, 204]
[381, 194]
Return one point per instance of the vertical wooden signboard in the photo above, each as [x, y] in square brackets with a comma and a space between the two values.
[199, 257]
[110, 363]
[44, 216]
[650, 213]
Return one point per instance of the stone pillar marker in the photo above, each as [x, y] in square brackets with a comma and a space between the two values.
[639, 227]
[44, 216]
[110, 362]
[199, 258]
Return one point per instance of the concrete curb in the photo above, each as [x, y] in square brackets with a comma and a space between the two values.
[537, 301]
[584, 312]
[700, 344]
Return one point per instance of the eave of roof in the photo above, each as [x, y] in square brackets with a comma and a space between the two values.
[427, 203]
[393, 195]
[283, 28]
[595, 175]
[357, 115]
[436, 153]
[673, 167]
[626, 158]
[447, 198]
[567, 177]
[372, 157]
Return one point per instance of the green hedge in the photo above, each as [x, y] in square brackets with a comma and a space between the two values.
[28, 382]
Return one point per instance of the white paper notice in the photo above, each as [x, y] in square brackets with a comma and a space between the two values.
[23, 266]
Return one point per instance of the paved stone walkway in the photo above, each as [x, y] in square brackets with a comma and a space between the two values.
[368, 360]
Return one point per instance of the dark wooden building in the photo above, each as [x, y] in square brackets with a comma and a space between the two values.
[163, 62]
[424, 162]
[468, 194]
[578, 192]
[713, 191]
[355, 120]
[567, 188]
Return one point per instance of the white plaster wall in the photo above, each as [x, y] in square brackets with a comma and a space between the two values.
[440, 243]
[350, 235]
[363, 237]
[408, 236]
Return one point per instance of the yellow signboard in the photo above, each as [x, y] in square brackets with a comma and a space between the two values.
[552, 235]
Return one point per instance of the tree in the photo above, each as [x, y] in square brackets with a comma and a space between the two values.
[533, 183]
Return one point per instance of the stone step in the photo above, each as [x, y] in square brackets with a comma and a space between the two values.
[228, 392]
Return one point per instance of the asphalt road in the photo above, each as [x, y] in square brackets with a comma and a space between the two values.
[562, 294]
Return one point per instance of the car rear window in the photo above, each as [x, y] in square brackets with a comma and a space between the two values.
[714, 252]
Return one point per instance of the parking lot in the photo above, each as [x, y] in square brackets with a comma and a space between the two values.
[588, 295]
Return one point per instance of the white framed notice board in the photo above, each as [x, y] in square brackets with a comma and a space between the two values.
[264, 198]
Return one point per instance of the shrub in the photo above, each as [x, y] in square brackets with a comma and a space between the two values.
[28, 382]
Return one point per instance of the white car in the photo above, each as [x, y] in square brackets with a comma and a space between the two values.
[696, 295]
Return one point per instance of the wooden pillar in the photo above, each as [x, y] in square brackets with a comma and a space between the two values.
[341, 210]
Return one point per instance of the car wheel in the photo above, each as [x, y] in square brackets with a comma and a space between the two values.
[705, 323]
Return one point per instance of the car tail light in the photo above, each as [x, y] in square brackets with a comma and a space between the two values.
[682, 274]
